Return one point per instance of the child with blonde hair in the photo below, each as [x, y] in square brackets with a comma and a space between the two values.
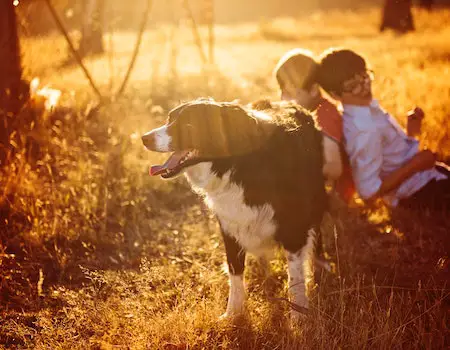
[296, 74]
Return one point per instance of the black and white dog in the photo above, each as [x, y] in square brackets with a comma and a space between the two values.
[260, 172]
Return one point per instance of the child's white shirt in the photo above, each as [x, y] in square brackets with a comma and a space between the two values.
[377, 146]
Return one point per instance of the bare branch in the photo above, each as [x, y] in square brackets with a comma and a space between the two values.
[72, 48]
[136, 49]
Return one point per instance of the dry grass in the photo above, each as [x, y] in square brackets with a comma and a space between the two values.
[96, 254]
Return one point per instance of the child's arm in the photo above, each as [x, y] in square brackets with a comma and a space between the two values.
[332, 167]
[423, 160]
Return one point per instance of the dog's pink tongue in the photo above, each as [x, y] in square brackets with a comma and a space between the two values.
[170, 163]
[156, 170]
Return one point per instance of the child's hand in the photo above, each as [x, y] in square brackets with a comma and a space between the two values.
[414, 123]
[418, 112]
[425, 160]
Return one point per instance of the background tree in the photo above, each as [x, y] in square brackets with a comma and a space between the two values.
[397, 15]
[426, 4]
[13, 91]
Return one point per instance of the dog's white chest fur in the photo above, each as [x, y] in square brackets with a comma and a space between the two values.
[252, 227]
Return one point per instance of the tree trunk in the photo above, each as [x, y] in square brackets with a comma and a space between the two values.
[92, 28]
[397, 15]
[426, 4]
[12, 90]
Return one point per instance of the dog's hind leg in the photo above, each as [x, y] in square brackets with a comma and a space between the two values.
[236, 264]
[300, 268]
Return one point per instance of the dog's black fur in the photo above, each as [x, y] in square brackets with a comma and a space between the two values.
[277, 162]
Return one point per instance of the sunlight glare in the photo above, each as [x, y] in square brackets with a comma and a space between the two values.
[47, 96]
[34, 86]
[51, 95]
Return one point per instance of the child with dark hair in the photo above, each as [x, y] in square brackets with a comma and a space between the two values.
[296, 74]
[386, 162]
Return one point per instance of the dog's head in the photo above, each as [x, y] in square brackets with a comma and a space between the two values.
[204, 130]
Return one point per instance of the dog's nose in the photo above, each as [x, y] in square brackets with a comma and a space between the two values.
[148, 139]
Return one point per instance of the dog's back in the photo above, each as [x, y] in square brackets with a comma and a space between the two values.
[286, 172]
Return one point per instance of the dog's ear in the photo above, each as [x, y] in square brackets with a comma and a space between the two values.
[175, 112]
[246, 131]
[200, 127]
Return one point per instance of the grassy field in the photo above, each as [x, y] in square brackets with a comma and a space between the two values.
[94, 253]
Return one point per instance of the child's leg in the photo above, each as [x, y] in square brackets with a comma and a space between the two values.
[435, 196]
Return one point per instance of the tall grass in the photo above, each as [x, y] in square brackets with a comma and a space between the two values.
[96, 254]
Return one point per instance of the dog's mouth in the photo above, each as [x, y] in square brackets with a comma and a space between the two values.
[176, 162]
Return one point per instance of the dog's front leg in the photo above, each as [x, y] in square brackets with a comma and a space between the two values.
[236, 263]
[300, 268]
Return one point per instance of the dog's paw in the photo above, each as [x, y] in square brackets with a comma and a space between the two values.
[226, 317]
[233, 317]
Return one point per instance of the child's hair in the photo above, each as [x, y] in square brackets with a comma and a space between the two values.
[336, 66]
[299, 66]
